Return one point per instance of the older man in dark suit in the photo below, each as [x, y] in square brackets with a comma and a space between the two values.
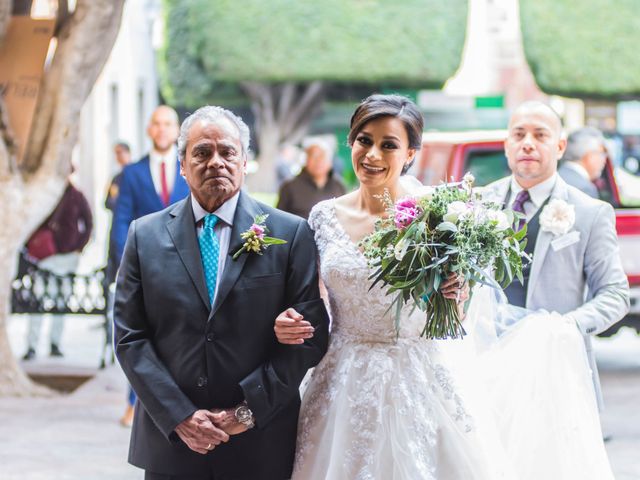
[584, 160]
[194, 323]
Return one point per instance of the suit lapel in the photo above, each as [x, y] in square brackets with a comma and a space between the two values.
[151, 188]
[180, 187]
[182, 229]
[246, 211]
[497, 191]
[544, 241]
[539, 253]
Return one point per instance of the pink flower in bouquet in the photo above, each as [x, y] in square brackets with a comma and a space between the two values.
[258, 230]
[406, 211]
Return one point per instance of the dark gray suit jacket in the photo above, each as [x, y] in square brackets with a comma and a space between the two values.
[181, 355]
[576, 180]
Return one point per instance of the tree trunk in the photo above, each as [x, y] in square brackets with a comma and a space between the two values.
[29, 191]
[283, 114]
[5, 16]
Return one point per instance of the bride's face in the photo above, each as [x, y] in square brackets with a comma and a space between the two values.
[379, 152]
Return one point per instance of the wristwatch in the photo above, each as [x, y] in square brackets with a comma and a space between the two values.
[244, 415]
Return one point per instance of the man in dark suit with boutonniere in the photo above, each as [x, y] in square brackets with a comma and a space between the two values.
[194, 326]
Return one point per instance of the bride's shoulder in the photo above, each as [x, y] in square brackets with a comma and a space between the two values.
[320, 213]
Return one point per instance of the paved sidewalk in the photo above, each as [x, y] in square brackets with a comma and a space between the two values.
[71, 437]
[78, 437]
[74, 436]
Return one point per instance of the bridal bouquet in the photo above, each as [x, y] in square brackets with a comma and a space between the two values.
[448, 229]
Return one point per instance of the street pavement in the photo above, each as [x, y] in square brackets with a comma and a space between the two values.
[619, 366]
[77, 436]
[73, 436]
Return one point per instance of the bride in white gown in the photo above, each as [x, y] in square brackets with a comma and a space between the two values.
[383, 405]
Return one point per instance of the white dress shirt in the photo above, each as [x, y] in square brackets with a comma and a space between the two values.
[170, 158]
[538, 194]
[225, 215]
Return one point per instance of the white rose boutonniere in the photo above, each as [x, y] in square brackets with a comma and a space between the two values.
[557, 217]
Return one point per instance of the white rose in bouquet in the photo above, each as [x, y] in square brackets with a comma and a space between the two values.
[501, 219]
[426, 192]
[455, 211]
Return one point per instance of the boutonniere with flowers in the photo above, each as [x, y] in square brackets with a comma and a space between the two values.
[256, 239]
[557, 217]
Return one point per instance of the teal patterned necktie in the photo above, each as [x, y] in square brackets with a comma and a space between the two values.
[210, 253]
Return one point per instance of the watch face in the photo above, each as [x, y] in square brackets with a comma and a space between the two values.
[244, 414]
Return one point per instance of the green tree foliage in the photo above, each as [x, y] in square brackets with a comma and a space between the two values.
[212, 43]
[585, 49]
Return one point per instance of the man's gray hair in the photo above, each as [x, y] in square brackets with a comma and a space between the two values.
[211, 114]
[581, 142]
[320, 143]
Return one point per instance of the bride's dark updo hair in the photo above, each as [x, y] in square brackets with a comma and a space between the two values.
[377, 106]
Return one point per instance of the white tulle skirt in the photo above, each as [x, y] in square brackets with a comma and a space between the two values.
[520, 406]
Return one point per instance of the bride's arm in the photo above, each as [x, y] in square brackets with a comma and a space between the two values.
[291, 328]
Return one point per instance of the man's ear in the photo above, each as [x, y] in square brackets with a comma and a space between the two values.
[562, 146]
[182, 167]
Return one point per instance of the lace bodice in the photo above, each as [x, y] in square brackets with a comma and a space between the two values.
[357, 311]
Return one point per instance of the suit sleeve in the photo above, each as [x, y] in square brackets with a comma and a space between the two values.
[274, 385]
[606, 281]
[162, 398]
[124, 213]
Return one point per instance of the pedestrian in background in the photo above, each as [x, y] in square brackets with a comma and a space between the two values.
[316, 182]
[154, 182]
[122, 153]
[584, 160]
[56, 246]
[148, 186]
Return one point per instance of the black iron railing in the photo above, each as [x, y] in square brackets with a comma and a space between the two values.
[40, 291]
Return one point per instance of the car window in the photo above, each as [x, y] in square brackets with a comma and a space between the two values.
[486, 164]
[489, 164]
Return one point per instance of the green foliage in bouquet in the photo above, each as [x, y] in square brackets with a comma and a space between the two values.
[447, 230]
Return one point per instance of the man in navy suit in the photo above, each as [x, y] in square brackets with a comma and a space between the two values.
[148, 186]
[154, 182]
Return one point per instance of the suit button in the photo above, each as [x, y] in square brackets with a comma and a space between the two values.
[210, 337]
[202, 381]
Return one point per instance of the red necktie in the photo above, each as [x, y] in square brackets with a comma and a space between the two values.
[164, 193]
